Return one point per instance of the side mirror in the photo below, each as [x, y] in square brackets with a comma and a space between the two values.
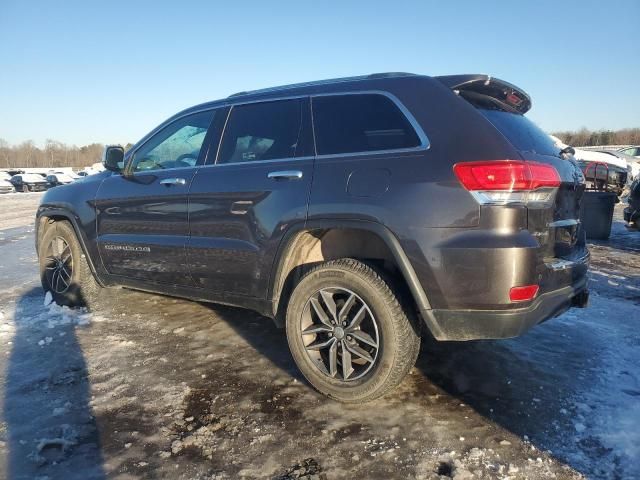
[113, 158]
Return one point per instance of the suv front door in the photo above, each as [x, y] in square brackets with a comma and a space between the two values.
[142, 219]
[242, 203]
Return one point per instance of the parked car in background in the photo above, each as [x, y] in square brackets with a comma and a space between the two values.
[29, 182]
[633, 151]
[633, 163]
[603, 171]
[342, 209]
[56, 179]
[5, 176]
[6, 186]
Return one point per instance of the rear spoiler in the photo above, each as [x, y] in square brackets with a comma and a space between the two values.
[500, 92]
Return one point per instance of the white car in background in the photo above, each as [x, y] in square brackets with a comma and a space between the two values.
[633, 163]
[6, 186]
[632, 151]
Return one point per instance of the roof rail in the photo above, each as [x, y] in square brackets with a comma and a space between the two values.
[371, 76]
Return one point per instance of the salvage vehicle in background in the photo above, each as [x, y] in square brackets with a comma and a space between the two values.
[633, 163]
[29, 182]
[480, 237]
[603, 171]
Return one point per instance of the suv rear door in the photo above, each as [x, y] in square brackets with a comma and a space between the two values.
[142, 220]
[242, 202]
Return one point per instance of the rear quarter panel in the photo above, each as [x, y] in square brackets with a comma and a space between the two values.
[423, 203]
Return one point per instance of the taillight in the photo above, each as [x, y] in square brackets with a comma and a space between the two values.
[508, 181]
[524, 293]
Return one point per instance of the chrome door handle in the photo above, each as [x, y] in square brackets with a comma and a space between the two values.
[173, 181]
[285, 175]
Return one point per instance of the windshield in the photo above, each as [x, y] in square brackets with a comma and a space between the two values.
[523, 134]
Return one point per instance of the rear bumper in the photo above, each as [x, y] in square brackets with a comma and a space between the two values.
[494, 324]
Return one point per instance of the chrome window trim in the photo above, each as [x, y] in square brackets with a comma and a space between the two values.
[425, 144]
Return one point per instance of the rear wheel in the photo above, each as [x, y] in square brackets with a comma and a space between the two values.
[64, 270]
[348, 333]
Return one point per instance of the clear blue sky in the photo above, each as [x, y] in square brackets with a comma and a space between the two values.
[109, 71]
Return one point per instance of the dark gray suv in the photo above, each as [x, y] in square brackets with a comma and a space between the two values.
[356, 212]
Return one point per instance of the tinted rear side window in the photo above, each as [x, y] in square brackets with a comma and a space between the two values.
[261, 131]
[523, 134]
[360, 123]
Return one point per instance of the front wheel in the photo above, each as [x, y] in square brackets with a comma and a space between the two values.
[348, 332]
[64, 270]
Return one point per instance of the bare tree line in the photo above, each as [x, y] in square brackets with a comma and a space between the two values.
[53, 154]
[585, 137]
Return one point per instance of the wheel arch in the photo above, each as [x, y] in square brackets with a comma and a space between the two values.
[302, 247]
[48, 216]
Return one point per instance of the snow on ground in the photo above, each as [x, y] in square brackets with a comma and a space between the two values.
[154, 387]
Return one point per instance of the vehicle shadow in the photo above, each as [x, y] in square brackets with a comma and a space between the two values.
[51, 431]
[262, 334]
[525, 385]
[528, 386]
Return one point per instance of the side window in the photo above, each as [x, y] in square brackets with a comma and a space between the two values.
[360, 123]
[176, 145]
[261, 131]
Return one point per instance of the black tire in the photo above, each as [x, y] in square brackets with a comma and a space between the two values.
[83, 289]
[397, 338]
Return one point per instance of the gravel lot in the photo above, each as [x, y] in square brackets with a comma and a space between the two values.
[155, 387]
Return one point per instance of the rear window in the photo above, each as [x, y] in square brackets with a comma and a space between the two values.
[523, 134]
[360, 123]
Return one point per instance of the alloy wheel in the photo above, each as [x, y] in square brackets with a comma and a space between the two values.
[59, 265]
[340, 334]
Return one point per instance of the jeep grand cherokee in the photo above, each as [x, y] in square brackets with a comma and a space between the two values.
[355, 212]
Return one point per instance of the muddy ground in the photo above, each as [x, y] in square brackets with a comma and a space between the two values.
[155, 387]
